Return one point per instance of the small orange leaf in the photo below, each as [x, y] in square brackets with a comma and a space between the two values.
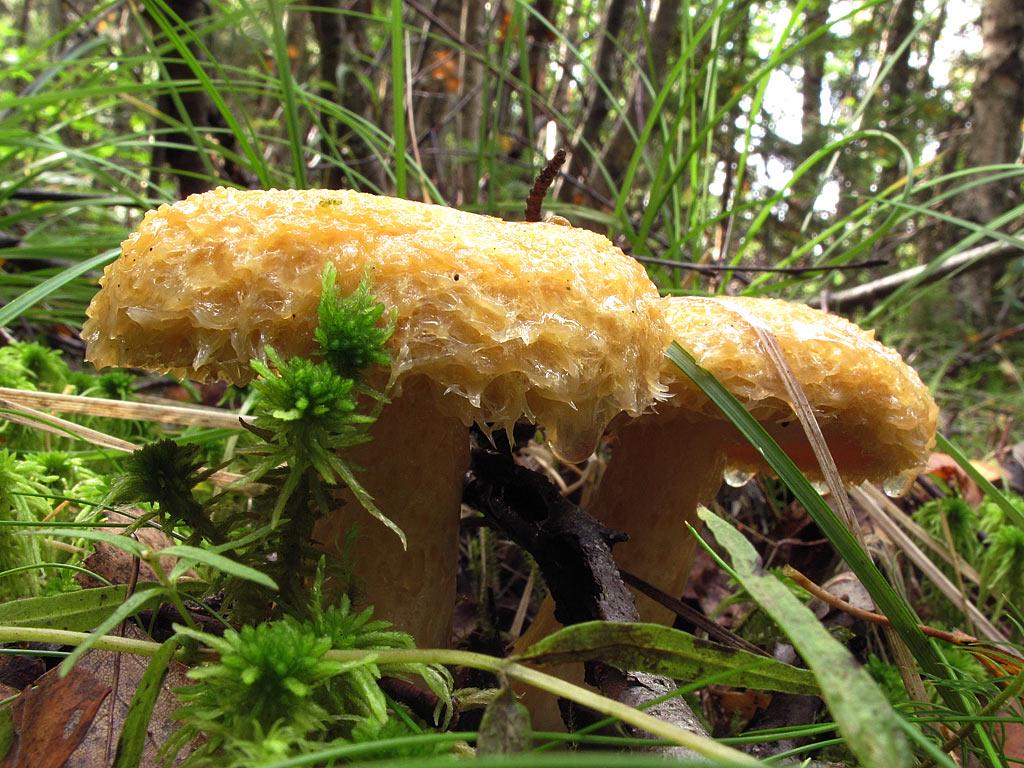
[944, 467]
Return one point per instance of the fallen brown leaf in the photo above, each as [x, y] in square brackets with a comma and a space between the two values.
[944, 467]
[92, 752]
[52, 718]
[118, 566]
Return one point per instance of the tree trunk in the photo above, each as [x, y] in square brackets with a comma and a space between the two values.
[541, 37]
[814, 75]
[438, 86]
[896, 87]
[583, 163]
[996, 112]
[342, 42]
[327, 25]
[664, 35]
[468, 116]
[184, 161]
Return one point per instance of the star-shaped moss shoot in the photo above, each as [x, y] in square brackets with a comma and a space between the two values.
[351, 333]
[308, 411]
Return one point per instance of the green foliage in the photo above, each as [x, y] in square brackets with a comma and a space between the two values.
[264, 674]
[862, 713]
[71, 476]
[1002, 568]
[18, 547]
[347, 630]
[350, 333]
[889, 680]
[84, 102]
[984, 536]
[992, 516]
[13, 372]
[956, 514]
[44, 366]
[29, 366]
[273, 691]
[164, 473]
[307, 411]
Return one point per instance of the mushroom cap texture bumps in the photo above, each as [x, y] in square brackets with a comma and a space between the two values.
[507, 319]
[876, 415]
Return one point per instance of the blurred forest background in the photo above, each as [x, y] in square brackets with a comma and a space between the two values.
[710, 140]
[860, 155]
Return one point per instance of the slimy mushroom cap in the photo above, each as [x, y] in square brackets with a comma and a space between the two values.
[876, 415]
[509, 320]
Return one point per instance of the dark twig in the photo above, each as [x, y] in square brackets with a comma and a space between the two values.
[696, 618]
[540, 187]
[422, 702]
[573, 551]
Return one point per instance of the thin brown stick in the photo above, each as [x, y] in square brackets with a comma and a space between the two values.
[698, 619]
[956, 637]
[868, 293]
[540, 187]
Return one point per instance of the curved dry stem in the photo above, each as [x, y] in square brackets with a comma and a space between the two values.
[699, 744]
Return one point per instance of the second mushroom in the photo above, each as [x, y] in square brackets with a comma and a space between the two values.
[877, 417]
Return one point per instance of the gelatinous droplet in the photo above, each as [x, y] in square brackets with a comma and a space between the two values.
[737, 478]
[898, 485]
[820, 486]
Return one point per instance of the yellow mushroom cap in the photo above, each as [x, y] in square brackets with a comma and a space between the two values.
[876, 415]
[508, 319]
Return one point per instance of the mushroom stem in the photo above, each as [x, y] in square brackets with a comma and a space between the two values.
[661, 469]
[413, 468]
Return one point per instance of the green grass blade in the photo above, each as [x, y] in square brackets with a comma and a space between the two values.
[226, 565]
[132, 742]
[861, 711]
[132, 605]
[902, 616]
[287, 83]
[398, 86]
[13, 309]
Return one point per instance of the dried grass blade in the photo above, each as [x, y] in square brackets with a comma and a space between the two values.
[30, 417]
[27, 416]
[874, 501]
[907, 523]
[179, 415]
[802, 408]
